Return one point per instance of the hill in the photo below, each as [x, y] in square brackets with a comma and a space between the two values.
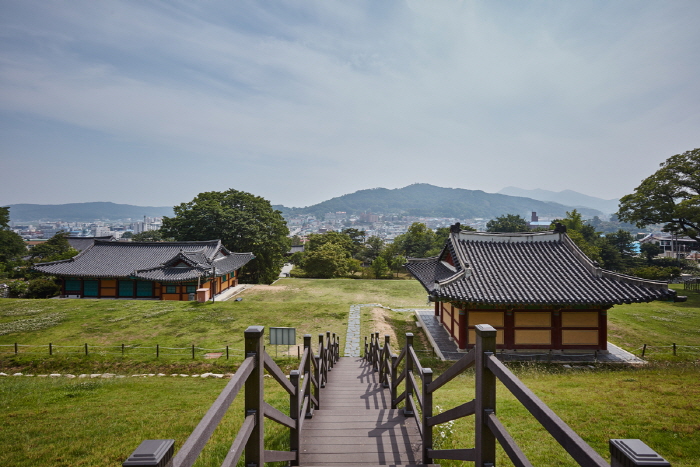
[83, 212]
[425, 200]
[567, 197]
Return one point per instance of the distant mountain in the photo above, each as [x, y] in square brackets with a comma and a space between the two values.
[567, 197]
[426, 200]
[84, 212]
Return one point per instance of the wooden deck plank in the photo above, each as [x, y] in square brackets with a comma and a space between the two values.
[355, 424]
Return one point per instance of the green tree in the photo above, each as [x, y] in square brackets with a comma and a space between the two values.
[380, 267]
[12, 247]
[150, 236]
[327, 261]
[670, 196]
[55, 248]
[357, 237]
[650, 251]
[318, 240]
[417, 242]
[372, 248]
[508, 223]
[242, 221]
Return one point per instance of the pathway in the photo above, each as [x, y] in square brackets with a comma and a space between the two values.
[355, 424]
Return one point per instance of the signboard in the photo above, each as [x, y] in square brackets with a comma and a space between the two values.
[283, 336]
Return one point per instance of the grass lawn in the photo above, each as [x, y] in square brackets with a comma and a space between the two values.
[659, 325]
[96, 422]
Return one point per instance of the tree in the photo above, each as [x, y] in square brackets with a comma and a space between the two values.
[372, 248]
[650, 251]
[327, 261]
[670, 196]
[417, 242]
[55, 248]
[342, 240]
[380, 267]
[242, 221]
[150, 236]
[508, 223]
[12, 246]
[357, 237]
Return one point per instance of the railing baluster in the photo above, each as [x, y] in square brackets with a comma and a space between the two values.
[394, 380]
[485, 441]
[307, 376]
[408, 409]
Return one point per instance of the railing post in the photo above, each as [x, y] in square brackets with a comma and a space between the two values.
[294, 435]
[394, 375]
[427, 413]
[408, 368]
[332, 352]
[366, 350]
[254, 401]
[324, 363]
[485, 403]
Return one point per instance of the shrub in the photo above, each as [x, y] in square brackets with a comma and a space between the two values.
[18, 288]
[42, 288]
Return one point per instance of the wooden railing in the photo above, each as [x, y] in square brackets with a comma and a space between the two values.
[304, 397]
[403, 368]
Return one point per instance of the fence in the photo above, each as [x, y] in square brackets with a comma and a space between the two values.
[487, 427]
[122, 349]
[304, 389]
[673, 348]
[692, 284]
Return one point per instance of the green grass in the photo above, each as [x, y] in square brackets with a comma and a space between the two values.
[96, 422]
[311, 306]
[659, 325]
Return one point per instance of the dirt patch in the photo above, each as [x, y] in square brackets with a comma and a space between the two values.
[380, 324]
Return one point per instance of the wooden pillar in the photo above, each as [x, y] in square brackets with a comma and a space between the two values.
[254, 400]
[462, 323]
[437, 308]
[603, 330]
[294, 404]
[485, 398]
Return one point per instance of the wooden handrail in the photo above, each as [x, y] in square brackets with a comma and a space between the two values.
[488, 428]
[249, 441]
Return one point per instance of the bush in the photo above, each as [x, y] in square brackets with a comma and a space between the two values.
[18, 288]
[657, 273]
[42, 288]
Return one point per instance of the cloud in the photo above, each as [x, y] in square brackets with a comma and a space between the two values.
[301, 102]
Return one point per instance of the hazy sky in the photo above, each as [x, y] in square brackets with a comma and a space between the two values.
[150, 102]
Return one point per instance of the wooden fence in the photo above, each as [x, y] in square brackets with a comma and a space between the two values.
[406, 368]
[303, 386]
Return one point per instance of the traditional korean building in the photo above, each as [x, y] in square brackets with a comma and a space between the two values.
[537, 289]
[148, 270]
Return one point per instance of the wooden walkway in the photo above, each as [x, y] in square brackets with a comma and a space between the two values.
[356, 425]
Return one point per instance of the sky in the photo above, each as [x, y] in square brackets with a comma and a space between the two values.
[152, 102]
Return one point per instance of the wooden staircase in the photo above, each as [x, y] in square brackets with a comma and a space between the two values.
[355, 424]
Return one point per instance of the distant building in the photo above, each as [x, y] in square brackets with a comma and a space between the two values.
[139, 270]
[672, 244]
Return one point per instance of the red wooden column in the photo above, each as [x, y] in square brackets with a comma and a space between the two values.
[437, 308]
[462, 328]
[603, 330]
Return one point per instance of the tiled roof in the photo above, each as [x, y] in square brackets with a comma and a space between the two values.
[542, 268]
[80, 243]
[162, 261]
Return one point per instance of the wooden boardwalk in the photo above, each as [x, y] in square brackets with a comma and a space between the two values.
[356, 425]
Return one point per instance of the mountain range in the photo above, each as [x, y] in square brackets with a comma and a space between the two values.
[84, 212]
[420, 200]
[566, 197]
[425, 200]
